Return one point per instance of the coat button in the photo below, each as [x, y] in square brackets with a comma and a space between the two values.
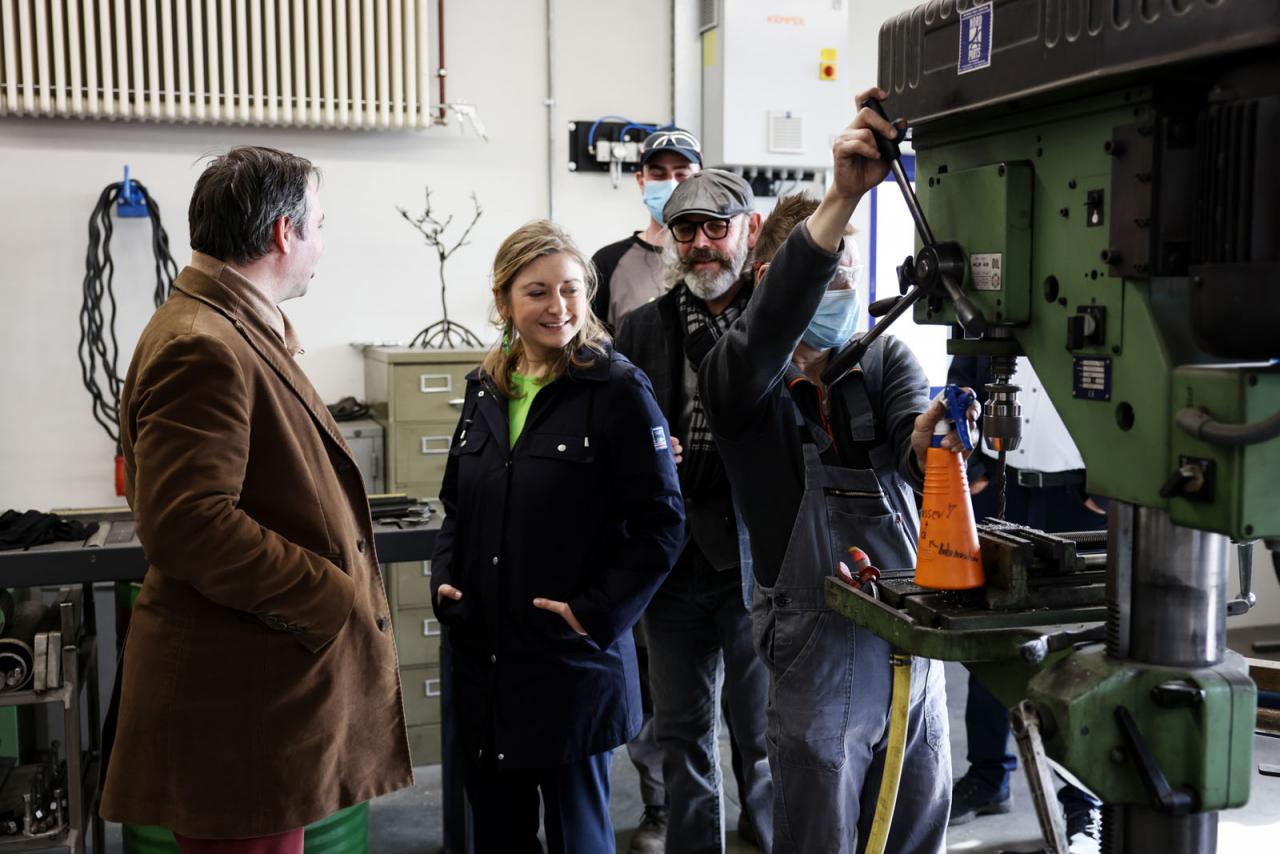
[495, 560]
[501, 757]
[561, 448]
[360, 545]
[463, 443]
[493, 659]
[480, 393]
[382, 624]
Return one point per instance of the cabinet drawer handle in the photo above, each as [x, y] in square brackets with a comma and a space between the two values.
[431, 687]
[435, 383]
[436, 444]
[457, 402]
[430, 628]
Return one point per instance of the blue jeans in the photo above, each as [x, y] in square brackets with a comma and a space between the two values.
[699, 636]
[575, 798]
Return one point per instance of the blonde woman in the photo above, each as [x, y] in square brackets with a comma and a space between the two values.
[562, 517]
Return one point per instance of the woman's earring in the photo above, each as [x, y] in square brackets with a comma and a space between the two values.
[506, 338]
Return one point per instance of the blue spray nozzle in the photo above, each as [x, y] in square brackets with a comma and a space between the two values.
[958, 401]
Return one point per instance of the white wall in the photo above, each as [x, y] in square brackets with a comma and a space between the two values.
[376, 281]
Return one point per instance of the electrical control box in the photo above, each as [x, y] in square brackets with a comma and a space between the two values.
[773, 92]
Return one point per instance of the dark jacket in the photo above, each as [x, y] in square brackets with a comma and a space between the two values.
[762, 409]
[653, 338]
[584, 509]
[259, 690]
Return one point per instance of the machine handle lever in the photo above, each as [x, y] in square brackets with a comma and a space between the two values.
[889, 149]
[1169, 799]
[1244, 563]
[881, 307]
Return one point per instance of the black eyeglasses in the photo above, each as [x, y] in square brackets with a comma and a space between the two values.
[714, 229]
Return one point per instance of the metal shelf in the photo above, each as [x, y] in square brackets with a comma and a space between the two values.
[79, 676]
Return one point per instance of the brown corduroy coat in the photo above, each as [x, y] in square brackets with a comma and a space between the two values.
[260, 688]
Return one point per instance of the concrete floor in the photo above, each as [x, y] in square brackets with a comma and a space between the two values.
[408, 822]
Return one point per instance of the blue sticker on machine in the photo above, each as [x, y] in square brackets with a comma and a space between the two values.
[975, 39]
[1092, 379]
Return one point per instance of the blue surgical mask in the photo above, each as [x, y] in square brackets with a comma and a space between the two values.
[656, 194]
[836, 320]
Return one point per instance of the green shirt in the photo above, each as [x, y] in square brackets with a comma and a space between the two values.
[518, 407]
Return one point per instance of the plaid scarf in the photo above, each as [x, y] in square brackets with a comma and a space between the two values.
[702, 469]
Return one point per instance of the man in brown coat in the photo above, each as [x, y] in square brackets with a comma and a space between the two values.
[259, 689]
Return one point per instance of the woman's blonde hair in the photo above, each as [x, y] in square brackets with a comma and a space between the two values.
[526, 244]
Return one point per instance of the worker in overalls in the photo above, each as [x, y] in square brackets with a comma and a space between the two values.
[815, 469]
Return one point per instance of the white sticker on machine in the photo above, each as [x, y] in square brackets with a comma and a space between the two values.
[986, 270]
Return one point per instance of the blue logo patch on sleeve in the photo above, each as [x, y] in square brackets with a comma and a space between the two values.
[659, 438]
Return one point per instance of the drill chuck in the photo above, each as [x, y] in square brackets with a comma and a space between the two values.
[1002, 418]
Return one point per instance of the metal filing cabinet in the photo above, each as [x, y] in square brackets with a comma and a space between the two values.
[364, 438]
[416, 395]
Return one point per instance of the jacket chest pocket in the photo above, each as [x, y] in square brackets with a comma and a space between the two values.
[563, 447]
[470, 441]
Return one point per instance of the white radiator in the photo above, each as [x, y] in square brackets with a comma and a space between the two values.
[317, 63]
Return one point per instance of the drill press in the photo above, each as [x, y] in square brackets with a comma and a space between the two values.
[1099, 181]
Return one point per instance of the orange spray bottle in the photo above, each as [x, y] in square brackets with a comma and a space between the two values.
[948, 557]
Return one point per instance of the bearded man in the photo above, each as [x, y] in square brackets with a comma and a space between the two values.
[698, 625]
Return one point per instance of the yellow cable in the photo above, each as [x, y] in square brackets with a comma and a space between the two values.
[893, 756]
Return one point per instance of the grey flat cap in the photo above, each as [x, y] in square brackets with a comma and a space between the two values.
[711, 192]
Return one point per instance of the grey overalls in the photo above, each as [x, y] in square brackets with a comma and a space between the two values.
[830, 683]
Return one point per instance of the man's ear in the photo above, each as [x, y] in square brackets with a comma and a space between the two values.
[754, 223]
[760, 270]
[640, 178]
[283, 235]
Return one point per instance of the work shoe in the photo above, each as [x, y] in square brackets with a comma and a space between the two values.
[971, 798]
[651, 836]
[1084, 831]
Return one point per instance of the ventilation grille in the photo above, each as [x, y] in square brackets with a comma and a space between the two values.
[786, 133]
[321, 63]
[1224, 215]
[708, 15]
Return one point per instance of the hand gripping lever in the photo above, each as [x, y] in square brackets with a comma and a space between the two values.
[938, 268]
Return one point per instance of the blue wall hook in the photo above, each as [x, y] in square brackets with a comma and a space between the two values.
[130, 202]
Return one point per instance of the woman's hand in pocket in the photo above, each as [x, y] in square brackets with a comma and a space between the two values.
[447, 591]
[563, 609]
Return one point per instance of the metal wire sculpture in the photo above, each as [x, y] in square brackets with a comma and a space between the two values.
[443, 334]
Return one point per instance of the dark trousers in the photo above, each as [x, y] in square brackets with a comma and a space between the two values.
[574, 798]
[986, 720]
[699, 636]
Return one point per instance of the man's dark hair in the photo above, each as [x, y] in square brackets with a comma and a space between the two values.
[239, 197]
[789, 211]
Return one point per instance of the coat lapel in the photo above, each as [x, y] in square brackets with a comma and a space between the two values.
[218, 296]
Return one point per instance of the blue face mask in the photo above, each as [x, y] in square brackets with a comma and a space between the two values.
[836, 320]
[656, 194]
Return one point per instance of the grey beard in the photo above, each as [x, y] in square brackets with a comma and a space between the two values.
[705, 285]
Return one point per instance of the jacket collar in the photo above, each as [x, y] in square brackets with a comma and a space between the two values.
[222, 287]
[596, 371]
[225, 296]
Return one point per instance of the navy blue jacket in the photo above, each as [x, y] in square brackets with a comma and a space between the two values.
[586, 509]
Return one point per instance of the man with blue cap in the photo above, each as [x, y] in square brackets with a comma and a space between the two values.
[630, 271]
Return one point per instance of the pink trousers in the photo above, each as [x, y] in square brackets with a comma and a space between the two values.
[289, 842]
